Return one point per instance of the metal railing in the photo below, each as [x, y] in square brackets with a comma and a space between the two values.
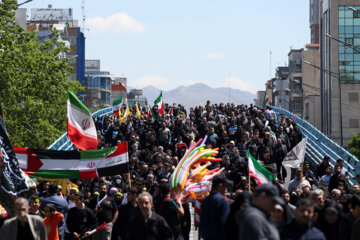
[319, 145]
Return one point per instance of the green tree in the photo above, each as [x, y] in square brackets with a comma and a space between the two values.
[33, 83]
[354, 145]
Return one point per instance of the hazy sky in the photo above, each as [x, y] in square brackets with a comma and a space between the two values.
[167, 43]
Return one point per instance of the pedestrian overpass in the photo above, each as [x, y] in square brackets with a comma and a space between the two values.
[318, 145]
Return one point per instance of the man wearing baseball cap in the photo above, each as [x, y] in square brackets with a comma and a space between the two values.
[254, 221]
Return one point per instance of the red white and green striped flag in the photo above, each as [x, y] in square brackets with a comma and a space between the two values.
[151, 113]
[257, 171]
[71, 164]
[117, 106]
[80, 124]
[160, 103]
[266, 99]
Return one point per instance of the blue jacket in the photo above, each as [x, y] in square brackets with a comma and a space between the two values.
[213, 214]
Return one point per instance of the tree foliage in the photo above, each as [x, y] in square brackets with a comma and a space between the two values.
[354, 145]
[33, 83]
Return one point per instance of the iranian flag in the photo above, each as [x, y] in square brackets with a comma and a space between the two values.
[160, 103]
[257, 171]
[266, 99]
[80, 125]
[71, 164]
[151, 113]
[117, 106]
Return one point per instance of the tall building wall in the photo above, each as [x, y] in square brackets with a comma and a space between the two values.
[341, 68]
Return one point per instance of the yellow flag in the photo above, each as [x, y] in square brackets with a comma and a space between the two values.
[138, 114]
[126, 115]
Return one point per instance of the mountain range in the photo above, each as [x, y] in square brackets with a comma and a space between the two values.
[198, 94]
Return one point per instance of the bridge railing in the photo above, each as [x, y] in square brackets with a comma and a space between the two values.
[64, 143]
[319, 145]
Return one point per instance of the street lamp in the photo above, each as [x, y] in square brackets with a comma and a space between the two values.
[357, 49]
[352, 8]
[336, 75]
[307, 85]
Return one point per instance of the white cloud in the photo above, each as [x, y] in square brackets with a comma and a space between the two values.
[215, 56]
[237, 83]
[114, 24]
[153, 80]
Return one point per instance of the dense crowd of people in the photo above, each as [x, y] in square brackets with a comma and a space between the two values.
[319, 202]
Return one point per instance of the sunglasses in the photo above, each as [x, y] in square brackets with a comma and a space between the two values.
[35, 200]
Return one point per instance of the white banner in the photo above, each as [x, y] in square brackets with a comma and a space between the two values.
[296, 156]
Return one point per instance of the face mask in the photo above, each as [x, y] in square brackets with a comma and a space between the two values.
[118, 181]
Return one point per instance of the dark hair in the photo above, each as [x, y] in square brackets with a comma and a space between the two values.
[132, 190]
[53, 188]
[34, 197]
[355, 200]
[164, 188]
[305, 202]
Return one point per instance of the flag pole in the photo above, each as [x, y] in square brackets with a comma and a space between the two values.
[249, 184]
[129, 178]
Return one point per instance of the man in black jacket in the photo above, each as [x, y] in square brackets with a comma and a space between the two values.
[302, 227]
[336, 178]
[254, 221]
[127, 213]
[321, 169]
[80, 219]
[149, 225]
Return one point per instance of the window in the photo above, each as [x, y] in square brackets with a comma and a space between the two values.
[349, 41]
[356, 14]
[307, 106]
[354, 123]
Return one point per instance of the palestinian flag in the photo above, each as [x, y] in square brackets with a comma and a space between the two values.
[160, 103]
[81, 127]
[266, 99]
[72, 164]
[257, 171]
[117, 106]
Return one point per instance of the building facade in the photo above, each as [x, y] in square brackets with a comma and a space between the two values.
[259, 98]
[43, 20]
[136, 96]
[98, 89]
[281, 88]
[340, 68]
[311, 85]
[295, 80]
